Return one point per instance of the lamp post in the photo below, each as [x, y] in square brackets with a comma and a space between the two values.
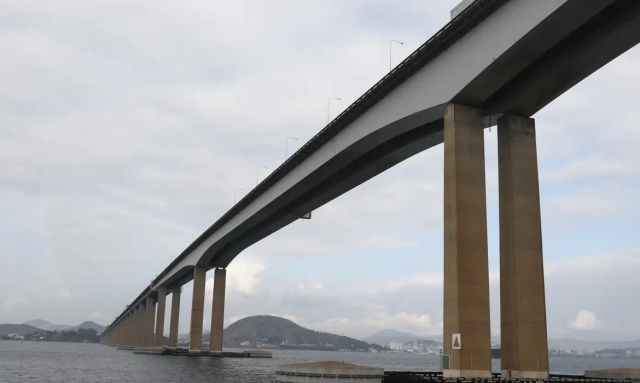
[258, 172]
[235, 193]
[329, 106]
[390, 46]
[286, 153]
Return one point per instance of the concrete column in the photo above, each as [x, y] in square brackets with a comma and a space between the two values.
[217, 310]
[140, 326]
[130, 329]
[162, 299]
[175, 317]
[466, 264]
[197, 308]
[123, 331]
[149, 321]
[522, 298]
[119, 341]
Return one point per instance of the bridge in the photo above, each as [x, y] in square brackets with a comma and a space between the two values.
[497, 62]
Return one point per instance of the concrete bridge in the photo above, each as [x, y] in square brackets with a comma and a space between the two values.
[496, 62]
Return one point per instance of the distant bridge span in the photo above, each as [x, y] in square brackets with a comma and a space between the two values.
[501, 57]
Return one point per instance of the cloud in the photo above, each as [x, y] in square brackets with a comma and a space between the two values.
[97, 315]
[10, 304]
[585, 321]
[243, 277]
[413, 302]
[419, 324]
[120, 141]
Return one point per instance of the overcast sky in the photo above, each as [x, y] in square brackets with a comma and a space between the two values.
[126, 125]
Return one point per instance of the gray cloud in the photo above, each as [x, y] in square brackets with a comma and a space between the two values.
[124, 126]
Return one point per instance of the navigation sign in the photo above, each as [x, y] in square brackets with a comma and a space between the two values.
[456, 341]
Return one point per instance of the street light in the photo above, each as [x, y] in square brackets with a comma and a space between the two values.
[391, 45]
[286, 153]
[328, 105]
[235, 193]
[258, 172]
[218, 211]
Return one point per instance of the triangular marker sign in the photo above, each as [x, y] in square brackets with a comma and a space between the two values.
[457, 342]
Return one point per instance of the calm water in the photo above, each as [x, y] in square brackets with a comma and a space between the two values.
[93, 363]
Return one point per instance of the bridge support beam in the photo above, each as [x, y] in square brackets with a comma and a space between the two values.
[162, 300]
[120, 337]
[217, 310]
[522, 297]
[175, 317]
[140, 325]
[131, 330]
[466, 264]
[149, 320]
[197, 308]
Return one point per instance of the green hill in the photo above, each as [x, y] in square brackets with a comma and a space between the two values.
[89, 325]
[20, 329]
[275, 330]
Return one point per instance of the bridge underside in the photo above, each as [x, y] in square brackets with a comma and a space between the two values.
[576, 40]
[520, 82]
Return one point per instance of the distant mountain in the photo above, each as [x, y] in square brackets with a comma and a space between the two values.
[39, 323]
[46, 325]
[20, 329]
[386, 336]
[89, 325]
[275, 330]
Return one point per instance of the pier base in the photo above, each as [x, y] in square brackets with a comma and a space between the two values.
[201, 353]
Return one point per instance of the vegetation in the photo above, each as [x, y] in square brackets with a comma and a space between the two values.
[275, 330]
[20, 329]
[79, 336]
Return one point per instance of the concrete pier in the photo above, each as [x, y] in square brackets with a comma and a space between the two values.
[466, 264]
[201, 353]
[217, 310]
[139, 335]
[522, 296]
[149, 321]
[175, 317]
[197, 308]
[327, 372]
[160, 313]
